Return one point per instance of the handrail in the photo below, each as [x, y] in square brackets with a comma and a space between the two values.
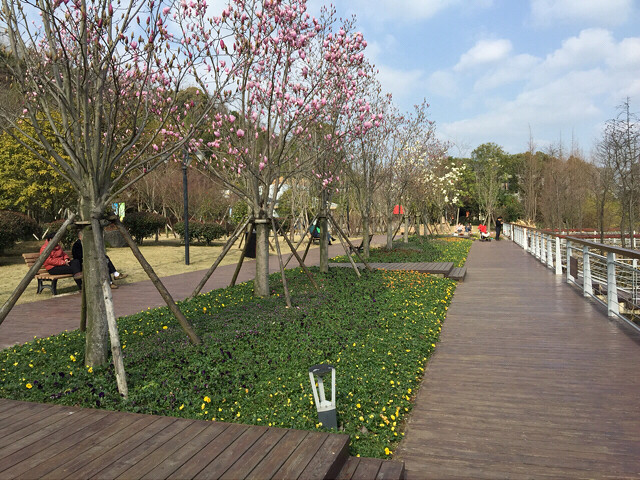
[614, 282]
[631, 253]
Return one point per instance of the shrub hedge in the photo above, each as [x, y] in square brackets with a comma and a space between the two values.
[201, 231]
[143, 224]
[15, 226]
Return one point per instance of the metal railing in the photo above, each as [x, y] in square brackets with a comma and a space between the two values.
[606, 273]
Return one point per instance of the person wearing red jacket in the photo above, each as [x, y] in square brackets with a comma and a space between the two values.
[59, 262]
[484, 235]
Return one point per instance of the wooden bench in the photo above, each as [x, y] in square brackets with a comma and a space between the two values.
[361, 246]
[457, 273]
[45, 280]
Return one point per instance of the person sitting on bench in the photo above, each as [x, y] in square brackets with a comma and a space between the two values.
[76, 251]
[484, 235]
[59, 262]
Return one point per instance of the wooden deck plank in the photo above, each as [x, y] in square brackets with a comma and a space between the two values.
[261, 449]
[102, 429]
[37, 416]
[391, 470]
[29, 435]
[367, 469]
[111, 456]
[529, 380]
[172, 463]
[206, 455]
[267, 468]
[349, 468]
[297, 462]
[142, 451]
[326, 464]
[47, 447]
[98, 447]
[216, 468]
[143, 466]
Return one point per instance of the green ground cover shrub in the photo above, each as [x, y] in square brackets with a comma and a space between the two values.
[378, 331]
[421, 249]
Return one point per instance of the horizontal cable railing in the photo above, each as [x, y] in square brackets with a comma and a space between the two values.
[606, 273]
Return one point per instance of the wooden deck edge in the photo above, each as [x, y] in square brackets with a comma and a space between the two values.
[372, 468]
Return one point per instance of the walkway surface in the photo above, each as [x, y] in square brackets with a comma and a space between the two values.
[57, 314]
[530, 380]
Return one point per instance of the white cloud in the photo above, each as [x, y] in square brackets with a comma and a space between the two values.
[484, 52]
[402, 83]
[513, 69]
[590, 47]
[607, 12]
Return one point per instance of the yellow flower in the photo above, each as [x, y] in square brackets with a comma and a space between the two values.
[207, 399]
[238, 415]
[72, 357]
[387, 451]
[90, 370]
[202, 407]
[204, 309]
[181, 407]
[164, 327]
[358, 405]
[28, 386]
[361, 418]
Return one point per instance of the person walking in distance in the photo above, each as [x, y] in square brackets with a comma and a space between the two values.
[498, 227]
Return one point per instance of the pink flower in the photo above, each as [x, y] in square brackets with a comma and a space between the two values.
[165, 10]
[240, 133]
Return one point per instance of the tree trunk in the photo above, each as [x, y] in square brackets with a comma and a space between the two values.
[390, 228]
[97, 337]
[405, 235]
[324, 241]
[261, 282]
[365, 236]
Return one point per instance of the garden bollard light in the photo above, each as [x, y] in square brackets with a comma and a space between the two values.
[326, 409]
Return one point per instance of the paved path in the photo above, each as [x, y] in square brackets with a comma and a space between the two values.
[54, 315]
[530, 380]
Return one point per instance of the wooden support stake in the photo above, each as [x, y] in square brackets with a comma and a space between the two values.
[184, 323]
[287, 296]
[241, 260]
[301, 262]
[224, 252]
[346, 250]
[114, 337]
[350, 244]
[8, 305]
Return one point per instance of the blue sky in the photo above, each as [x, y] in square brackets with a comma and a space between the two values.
[494, 70]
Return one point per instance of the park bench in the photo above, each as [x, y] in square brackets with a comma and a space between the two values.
[353, 249]
[45, 280]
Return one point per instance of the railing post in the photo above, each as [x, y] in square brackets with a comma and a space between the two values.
[549, 252]
[543, 255]
[612, 290]
[524, 239]
[558, 257]
[587, 286]
[569, 276]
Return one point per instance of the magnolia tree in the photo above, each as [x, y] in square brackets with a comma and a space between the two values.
[105, 78]
[436, 185]
[288, 86]
[410, 138]
[367, 154]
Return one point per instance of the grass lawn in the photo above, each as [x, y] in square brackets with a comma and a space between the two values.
[166, 257]
[378, 331]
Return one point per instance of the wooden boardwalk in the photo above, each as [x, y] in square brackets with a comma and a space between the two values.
[45, 441]
[530, 380]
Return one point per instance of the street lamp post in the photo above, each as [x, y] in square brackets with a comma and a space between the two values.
[185, 199]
